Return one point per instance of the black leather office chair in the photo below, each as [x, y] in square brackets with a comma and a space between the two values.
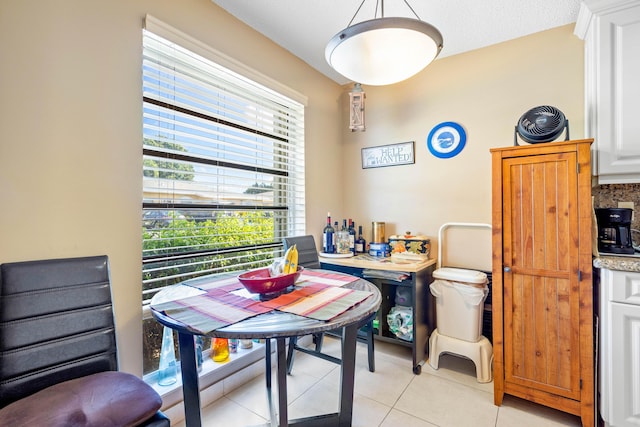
[58, 359]
[308, 258]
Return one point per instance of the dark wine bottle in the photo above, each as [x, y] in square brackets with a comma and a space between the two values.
[328, 237]
[361, 244]
[352, 236]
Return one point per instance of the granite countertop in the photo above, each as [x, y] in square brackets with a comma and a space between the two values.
[613, 262]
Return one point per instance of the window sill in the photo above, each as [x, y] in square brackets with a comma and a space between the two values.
[211, 373]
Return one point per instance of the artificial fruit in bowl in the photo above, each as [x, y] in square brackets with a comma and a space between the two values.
[286, 265]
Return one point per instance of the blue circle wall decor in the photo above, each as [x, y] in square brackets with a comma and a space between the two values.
[446, 140]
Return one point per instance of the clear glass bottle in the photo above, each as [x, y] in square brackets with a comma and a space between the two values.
[168, 369]
[219, 349]
[328, 237]
[342, 242]
[198, 343]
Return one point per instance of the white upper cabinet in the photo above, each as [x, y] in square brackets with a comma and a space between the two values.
[611, 31]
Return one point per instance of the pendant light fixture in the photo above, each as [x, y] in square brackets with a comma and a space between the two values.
[383, 50]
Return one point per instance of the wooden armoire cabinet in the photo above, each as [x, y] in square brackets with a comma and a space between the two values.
[542, 290]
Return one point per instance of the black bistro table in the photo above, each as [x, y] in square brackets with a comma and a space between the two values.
[278, 325]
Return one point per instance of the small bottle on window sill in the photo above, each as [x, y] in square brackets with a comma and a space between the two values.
[219, 349]
[198, 343]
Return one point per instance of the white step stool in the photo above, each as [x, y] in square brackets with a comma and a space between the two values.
[480, 353]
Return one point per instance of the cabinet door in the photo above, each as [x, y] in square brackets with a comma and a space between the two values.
[618, 88]
[625, 369]
[540, 289]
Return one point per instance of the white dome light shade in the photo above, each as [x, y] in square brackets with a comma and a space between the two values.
[383, 51]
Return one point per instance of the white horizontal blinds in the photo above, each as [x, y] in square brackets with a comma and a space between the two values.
[223, 172]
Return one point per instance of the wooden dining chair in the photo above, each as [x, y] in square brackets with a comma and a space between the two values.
[308, 258]
[58, 356]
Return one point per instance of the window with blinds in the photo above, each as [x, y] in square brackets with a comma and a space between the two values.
[223, 168]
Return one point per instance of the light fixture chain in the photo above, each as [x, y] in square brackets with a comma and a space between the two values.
[380, 4]
[356, 14]
[414, 12]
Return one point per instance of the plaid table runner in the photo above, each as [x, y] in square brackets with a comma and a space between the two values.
[212, 310]
[318, 301]
[318, 295]
[307, 276]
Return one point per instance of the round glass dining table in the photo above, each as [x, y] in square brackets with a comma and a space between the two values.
[278, 325]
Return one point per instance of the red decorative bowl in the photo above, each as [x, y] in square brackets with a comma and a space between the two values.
[260, 282]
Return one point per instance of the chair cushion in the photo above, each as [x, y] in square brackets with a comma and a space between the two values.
[98, 400]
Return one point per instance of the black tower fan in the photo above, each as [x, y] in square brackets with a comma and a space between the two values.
[541, 124]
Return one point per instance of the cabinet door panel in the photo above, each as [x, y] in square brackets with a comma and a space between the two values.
[625, 359]
[540, 341]
[619, 93]
[627, 289]
[539, 226]
[541, 305]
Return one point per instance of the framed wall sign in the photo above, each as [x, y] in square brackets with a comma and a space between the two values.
[446, 140]
[388, 155]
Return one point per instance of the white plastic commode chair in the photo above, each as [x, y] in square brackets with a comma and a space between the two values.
[460, 296]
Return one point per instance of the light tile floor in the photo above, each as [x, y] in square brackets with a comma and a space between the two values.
[391, 396]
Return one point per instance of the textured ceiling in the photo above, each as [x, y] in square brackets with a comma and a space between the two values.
[304, 27]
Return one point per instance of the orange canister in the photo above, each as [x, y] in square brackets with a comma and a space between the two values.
[219, 349]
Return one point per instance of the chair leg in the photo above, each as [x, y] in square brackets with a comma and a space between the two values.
[293, 341]
[267, 360]
[318, 339]
[370, 347]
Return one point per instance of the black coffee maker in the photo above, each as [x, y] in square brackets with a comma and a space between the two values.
[614, 230]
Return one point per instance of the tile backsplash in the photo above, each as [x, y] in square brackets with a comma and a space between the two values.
[608, 196]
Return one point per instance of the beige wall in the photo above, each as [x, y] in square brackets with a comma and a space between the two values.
[486, 91]
[70, 123]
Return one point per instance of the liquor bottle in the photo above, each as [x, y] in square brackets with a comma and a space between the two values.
[361, 244]
[328, 237]
[335, 237]
[342, 240]
[352, 236]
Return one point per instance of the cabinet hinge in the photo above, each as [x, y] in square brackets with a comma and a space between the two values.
[577, 167]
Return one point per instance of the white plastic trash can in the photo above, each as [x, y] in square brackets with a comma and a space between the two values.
[460, 296]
